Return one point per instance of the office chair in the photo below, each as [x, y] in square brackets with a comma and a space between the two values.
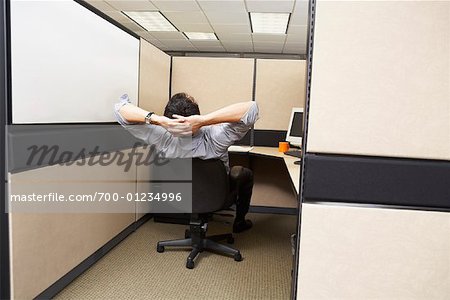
[210, 193]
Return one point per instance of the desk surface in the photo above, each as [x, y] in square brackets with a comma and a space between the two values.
[294, 170]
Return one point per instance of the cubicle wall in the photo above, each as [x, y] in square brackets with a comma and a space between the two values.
[276, 85]
[213, 82]
[280, 86]
[375, 218]
[72, 69]
[63, 71]
[154, 78]
[46, 246]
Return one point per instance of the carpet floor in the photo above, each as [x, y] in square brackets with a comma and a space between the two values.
[134, 270]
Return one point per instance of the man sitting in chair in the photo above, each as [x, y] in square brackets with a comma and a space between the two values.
[212, 134]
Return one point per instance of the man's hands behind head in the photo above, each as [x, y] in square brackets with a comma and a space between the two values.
[193, 123]
[176, 127]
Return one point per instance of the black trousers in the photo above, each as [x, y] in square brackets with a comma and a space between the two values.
[241, 188]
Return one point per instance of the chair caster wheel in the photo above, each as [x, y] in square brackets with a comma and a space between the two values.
[238, 257]
[187, 234]
[230, 240]
[160, 249]
[190, 264]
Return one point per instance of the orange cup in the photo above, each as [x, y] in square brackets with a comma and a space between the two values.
[283, 146]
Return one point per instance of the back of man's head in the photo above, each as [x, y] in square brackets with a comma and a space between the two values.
[181, 104]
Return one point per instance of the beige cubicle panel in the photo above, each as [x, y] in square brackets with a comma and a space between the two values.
[45, 246]
[213, 82]
[280, 86]
[380, 87]
[357, 253]
[380, 79]
[154, 78]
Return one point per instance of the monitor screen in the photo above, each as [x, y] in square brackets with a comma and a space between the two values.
[297, 124]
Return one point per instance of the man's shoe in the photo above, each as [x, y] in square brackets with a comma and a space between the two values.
[241, 226]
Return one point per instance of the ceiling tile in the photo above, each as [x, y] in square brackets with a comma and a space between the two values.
[168, 35]
[211, 49]
[118, 16]
[268, 47]
[235, 37]
[274, 38]
[132, 5]
[285, 6]
[267, 50]
[224, 6]
[300, 14]
[154, 42]
[101, 5]
[231, 29]
[132, 26]
[169, 5]
[145, 34]
[268, 44]
[296, 29]
[185, 17]
[238, 47]
[190, 49]
[297, 38]
[195, 27]
[237, 44]
[295, 48]
[176, 43]
[224, 17]
[202, 44]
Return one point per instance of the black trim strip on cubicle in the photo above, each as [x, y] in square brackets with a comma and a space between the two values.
[82, 141]
[268, 138]
[5, 114]
[252, 130]
[309, 62]
[64, 281]
[377, 181]
[246, 140]
[170, 77]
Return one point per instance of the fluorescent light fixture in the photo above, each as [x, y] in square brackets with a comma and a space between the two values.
[269, 22]
[150, 20]
[201, 35]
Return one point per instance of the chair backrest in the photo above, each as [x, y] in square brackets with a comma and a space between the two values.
[210, 191]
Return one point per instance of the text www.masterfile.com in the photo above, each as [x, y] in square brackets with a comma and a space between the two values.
[97, 197]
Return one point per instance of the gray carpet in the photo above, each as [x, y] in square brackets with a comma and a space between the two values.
[134, 270]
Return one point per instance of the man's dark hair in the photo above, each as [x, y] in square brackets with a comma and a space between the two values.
[181, 104]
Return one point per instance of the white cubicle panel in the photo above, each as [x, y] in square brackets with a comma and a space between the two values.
[380, 79]
[68, 64]
[213, 82]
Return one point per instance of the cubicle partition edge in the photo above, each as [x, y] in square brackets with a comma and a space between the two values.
[4, 116]
[301, 196]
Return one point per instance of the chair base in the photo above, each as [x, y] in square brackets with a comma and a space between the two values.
[196, 239]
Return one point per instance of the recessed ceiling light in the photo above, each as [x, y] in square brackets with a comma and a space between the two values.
[269, 22]
[201, 35]
[150, 20]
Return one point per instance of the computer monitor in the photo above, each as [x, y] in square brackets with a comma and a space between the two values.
[295, 131]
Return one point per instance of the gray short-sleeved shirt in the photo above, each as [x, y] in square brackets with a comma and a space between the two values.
[209, 142]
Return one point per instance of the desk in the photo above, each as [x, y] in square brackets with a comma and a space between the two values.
[271, 190]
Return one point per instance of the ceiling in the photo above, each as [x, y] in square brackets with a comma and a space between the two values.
[228, 19]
